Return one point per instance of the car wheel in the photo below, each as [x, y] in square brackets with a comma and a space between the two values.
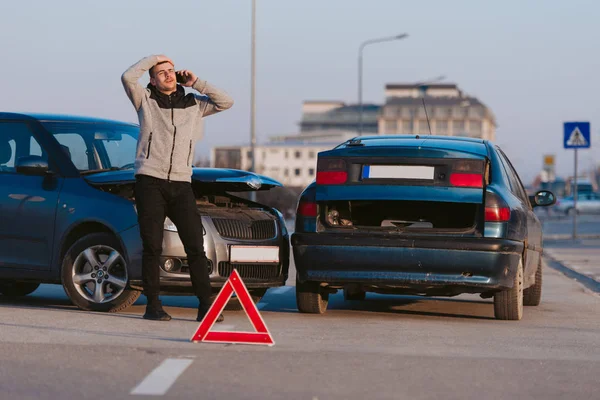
[508, 304]
[354, 294]
[532, 296]
[94, 274]
[311, 298]
[17, 289]
[234, 303]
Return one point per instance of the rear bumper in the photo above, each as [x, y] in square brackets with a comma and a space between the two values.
[420, 264]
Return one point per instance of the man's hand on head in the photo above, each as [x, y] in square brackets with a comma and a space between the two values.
[162, 58]
[189, 77]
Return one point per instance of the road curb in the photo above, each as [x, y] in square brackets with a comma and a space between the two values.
[585, 280]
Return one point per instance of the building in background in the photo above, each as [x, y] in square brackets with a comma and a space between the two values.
[292, 164]
[292, 159]
[337, 116]
[330, 136]
[451, 113]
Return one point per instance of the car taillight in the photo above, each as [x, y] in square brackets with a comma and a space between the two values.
[331, 171]
[331, 177]
[307, 209]
[466, 180]
[495, 214]
[496, 209]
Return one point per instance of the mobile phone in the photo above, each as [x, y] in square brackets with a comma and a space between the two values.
[180, 77]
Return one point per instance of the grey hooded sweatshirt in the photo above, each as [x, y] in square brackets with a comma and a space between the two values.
[170, 125]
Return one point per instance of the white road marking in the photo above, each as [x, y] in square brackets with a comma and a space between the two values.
[159, 381]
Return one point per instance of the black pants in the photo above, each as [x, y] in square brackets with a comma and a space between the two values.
[156, 199]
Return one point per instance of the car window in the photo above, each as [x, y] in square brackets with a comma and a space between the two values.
[16, 141]
[120, 151]
[11, 160]
[94, 146]
[75, 148]
[34, 147]
[505, 171]
[515, 181]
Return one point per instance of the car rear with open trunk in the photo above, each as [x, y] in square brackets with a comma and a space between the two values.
[409, 214]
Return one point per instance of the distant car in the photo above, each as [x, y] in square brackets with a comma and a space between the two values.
[587, 203]
[68, 216]
[433, 216]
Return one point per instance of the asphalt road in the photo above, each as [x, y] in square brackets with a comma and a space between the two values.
[387, 347]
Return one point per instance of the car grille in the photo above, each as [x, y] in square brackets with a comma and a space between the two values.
[250, 271]
[186, 268]
[236, 229]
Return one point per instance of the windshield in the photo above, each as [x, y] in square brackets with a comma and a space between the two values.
[96, 146]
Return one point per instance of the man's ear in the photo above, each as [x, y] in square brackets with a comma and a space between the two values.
[153, 81]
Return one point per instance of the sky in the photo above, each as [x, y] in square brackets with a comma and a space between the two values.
[535, 63]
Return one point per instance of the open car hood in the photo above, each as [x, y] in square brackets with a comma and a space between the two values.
[214, 179]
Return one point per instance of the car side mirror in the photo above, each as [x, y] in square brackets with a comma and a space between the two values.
[32, 165]
[543, 198]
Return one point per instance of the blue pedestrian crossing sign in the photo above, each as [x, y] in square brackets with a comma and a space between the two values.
[577, 135]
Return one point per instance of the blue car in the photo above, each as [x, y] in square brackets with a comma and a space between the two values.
[419, 215]
[68, 216]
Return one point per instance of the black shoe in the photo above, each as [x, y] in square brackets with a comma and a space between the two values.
[202, 313]
[156, 314]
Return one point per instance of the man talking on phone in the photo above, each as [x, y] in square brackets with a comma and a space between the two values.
[170, 125]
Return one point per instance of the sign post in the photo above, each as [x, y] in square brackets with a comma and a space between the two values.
[576, 136]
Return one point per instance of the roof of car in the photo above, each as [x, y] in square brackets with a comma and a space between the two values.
[60, 118]
[424, 137]
[473, 145]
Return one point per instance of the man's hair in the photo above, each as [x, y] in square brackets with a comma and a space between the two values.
[151, 71]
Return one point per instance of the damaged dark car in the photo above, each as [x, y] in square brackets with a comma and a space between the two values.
[430, 216]
[68, 216]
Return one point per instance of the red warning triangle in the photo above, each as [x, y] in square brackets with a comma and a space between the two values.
[233, 285]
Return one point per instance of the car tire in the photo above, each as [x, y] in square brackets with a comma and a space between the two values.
[508, 304]
[311, 298]
[354, 295]
[17, 289]
[87, 261]
[234, 303]
[571, 211]
[532, 296]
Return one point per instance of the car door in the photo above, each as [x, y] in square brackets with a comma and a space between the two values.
[28, 203]
[534, 227]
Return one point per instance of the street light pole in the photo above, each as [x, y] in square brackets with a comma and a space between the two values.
[253, 98]
[360, 68]
[253, 89]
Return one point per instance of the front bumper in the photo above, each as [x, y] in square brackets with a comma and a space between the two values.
[421, 264]
[254, 275]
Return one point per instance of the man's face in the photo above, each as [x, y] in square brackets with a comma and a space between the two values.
[164, 77]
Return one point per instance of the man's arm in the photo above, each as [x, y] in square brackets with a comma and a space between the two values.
[217, 100]
[130, 78]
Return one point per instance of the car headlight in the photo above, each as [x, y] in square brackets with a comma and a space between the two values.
[169, 225]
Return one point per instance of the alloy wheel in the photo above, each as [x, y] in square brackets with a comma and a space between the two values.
[99, 274]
